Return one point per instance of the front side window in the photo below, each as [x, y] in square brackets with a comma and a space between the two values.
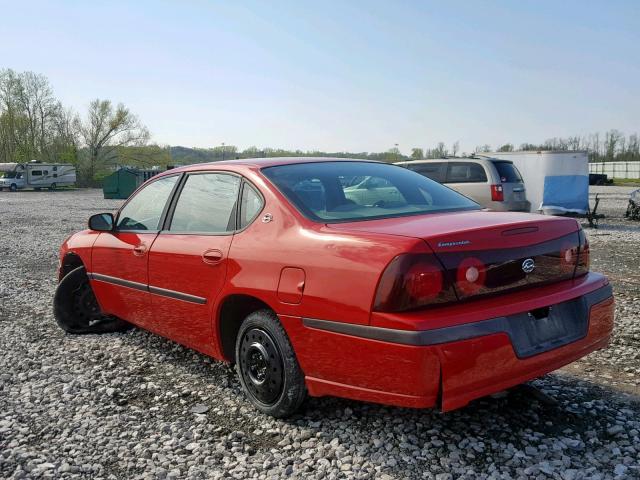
[466, 172]
[207, 204]
[250, 205]
[319, 191]
[144, 210]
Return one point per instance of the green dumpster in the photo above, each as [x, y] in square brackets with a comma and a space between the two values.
[123, 182]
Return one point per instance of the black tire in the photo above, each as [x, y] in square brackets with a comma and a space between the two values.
[267, 366]
[13, 187]
[53, 186]
[76, 309]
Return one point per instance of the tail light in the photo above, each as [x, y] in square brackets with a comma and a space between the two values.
[569, 258]
[471, 275]
[583, 255]
[412, 281]
[497, 193]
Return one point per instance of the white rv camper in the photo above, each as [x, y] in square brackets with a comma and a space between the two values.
[38, 175]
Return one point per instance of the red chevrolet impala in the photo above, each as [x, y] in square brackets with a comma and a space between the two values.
[336, 277]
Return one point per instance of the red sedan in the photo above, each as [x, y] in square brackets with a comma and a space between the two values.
[339, 277]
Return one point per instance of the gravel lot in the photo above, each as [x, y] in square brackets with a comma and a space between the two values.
[135, 405]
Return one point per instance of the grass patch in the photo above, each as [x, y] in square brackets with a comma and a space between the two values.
[626, 182]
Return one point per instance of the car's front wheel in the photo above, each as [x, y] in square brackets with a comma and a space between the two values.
[76, 309]
[267, 365]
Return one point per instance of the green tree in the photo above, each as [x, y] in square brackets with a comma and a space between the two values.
[393, 155]
[417, 153]
[105, 130]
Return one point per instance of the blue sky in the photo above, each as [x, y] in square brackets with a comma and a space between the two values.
[340, 75]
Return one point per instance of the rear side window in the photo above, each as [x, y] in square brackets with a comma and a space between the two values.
[466, 172]
[434, 171]
[207, 204]
[507, 172]
[250, 205]
[36, 173]
[144, 210]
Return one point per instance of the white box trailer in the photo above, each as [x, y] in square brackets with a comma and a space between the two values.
[557, 182]
[38, 175]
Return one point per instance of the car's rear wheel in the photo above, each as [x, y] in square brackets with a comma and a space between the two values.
[267, 366]
[53, 186]
[76, 309]
[13, 187]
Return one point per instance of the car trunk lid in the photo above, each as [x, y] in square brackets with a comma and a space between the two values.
[489, 252]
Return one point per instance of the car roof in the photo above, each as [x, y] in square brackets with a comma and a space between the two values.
[266, 162]
[454, 159]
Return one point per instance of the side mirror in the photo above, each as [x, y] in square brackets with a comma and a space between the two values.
[101, 222]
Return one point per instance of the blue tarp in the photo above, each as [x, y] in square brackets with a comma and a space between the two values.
[566, 193]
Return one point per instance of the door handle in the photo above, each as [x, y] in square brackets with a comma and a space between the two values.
[212, 257]
[140, 250]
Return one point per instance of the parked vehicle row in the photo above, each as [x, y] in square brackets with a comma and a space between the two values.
[494, 184]
[355, 279]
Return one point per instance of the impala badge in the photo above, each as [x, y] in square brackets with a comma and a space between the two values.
[454, 244]
[528, 265]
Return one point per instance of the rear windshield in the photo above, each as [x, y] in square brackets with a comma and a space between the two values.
[508, 172]
[347, 191]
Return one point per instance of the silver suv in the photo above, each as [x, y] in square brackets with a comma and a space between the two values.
[495, 184]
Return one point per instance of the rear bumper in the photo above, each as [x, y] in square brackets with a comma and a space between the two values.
[452, 364]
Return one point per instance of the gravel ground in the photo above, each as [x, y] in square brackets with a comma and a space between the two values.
[135, 405]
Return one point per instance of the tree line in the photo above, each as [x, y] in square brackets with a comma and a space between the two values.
[608, 147]
[34, 125]
[185, 155]
[612, 146]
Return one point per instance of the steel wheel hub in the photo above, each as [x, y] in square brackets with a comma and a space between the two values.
[85, 304]
[261, 366]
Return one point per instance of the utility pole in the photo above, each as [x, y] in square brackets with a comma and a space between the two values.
[223, 151]
[397, 151]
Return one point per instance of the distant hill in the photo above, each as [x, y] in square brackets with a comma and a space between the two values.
[185, 155]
